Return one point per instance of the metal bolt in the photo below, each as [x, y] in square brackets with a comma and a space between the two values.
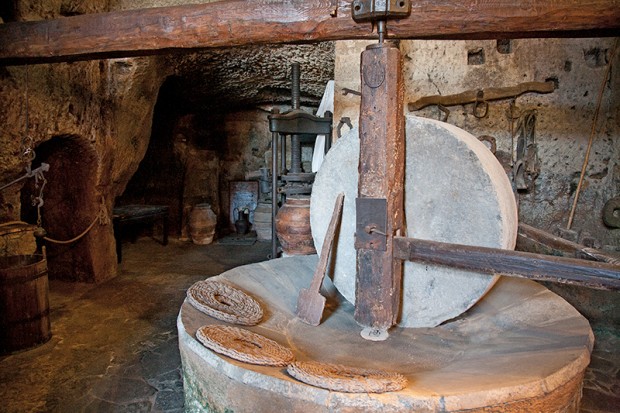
[372, 229]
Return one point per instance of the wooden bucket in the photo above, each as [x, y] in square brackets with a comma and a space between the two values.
[24, 302]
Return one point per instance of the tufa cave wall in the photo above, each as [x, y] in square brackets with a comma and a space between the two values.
[210, 124]
[91, 122]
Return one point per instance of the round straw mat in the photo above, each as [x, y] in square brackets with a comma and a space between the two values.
[225, 302]
[346, 379]
[244, 345]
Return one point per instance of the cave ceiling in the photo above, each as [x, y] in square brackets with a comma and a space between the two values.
[226, 78]
[251, 76]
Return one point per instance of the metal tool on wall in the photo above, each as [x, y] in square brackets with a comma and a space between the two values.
[526, 166]
[481, 97]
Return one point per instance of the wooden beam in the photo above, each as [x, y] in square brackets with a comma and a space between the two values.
[379, 206]
[238, 22]
[538, 267]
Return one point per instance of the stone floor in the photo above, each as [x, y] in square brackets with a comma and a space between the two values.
[114, 346]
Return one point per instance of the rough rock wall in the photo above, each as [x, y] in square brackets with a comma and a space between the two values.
[248, 142]
[202, 154]
[182, 163]
[107, 106]
[96, 115]
[24, 10]
[563, 122]
[207, 88]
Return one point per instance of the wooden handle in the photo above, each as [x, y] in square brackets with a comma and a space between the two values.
[321, 267]
[592, 274]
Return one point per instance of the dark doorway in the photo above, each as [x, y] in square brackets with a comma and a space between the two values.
[70, 204]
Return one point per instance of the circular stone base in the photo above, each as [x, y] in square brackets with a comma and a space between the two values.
[520, 349]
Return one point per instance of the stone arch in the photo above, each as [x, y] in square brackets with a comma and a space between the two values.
[71, 203]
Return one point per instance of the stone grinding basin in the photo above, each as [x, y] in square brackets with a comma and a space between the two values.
[520, 349]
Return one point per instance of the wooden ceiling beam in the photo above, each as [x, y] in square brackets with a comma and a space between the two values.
[238, 23]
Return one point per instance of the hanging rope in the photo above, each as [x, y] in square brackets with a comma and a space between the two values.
[9, 223]
[102, 217]
[593, 130]
[26, 148]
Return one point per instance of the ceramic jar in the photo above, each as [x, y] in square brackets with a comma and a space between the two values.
[293, 226]
[202, 221]
[262, 221]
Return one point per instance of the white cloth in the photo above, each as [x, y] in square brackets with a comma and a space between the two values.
[327, 104]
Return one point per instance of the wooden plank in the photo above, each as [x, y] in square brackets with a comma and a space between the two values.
[538, 267]
[381, 177]
[240, 22]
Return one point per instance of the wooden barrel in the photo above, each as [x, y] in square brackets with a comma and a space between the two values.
[24, 302]
[293, 226]
[262, 221]
[202, 221]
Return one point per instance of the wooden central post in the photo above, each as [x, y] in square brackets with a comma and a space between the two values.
[380, 194]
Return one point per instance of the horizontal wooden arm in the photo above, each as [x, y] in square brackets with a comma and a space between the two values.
[538, 267]
[238, 22]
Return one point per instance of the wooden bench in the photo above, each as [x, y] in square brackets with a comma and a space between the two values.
[138, 214]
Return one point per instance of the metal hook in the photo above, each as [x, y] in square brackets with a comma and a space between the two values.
[480, 102]
[343, 121]
[446, 112]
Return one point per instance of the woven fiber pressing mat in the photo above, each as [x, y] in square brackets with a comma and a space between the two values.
[225, 302]
[346, 379]
[244, 345]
